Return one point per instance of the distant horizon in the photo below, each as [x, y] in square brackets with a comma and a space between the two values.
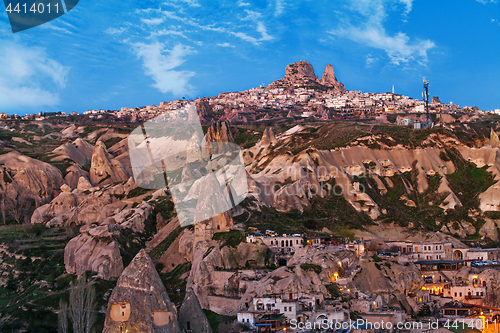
[129, 54]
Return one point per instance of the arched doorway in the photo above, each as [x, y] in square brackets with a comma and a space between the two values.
[458, 255]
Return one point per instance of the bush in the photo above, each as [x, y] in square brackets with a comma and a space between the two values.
[231, 238]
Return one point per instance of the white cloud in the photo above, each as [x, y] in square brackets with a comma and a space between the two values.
[484, 2]
[242, 4]
[29, 78]
[115, 31]
[226, 44]
[191, 3]
[160, 63]
[370, 60]
[167, 32]
[280, 7]
[52, 26]
[153, 21]
[371, 32]
[253, 18]
[408, 4]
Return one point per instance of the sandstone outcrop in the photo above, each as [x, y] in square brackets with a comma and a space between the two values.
[139, 302]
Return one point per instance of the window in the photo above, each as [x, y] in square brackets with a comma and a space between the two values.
[460, 294]
[455, 294]
[120, 311]
[162, 318]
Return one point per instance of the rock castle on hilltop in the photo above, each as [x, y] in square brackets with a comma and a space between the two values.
[301, 74]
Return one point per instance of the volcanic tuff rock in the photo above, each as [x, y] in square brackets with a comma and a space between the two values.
[191, 315]
[219, 132]
[139, 303]
[288, 181]
[375, 278]
[329, 79]
[93, 251]
[105, 169]
[30, 176]
[301, 74]
[79, 151]
[204, 109]
[75, 173]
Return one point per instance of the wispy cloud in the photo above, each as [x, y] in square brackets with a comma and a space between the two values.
[226, 44]
[115, 31]
[280, 7]
[52, 26]
[160, 63]
[371, 32]
[153, 21]
[240, 29]
[29, 78]
[179, 3]
[370, 60]
[484, 2]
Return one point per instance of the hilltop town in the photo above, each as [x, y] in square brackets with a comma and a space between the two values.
[299, 96]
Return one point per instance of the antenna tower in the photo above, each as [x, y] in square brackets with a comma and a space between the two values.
[425, 95]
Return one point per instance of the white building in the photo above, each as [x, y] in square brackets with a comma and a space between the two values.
[424, 250]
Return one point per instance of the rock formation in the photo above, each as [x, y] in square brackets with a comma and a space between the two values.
[191, 315]
[93, 250]
[330, 80]
[139, 302]
[219, 132]
[301, 74]
[31, 177]
[298, 74]
[75, 173]
[268, 138]
[104, 169]
[79, 151]
[204, 109]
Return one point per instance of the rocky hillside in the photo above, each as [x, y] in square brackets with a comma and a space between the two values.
[436, 181]
[82, 211]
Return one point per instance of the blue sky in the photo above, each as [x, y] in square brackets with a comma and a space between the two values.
[130, 53]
